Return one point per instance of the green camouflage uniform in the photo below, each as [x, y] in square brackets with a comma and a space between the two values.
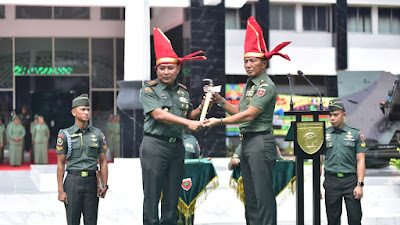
[258, 155]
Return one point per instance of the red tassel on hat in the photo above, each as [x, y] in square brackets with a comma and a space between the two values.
[166, 54]
[254, 44]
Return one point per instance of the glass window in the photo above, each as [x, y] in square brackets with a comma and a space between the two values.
[389, 20]
[359, 19]
[2, 11]
[6, 105]
[33, 56]
[33, 12]
[6, 69]
[120, 59]
[315, 18]
[71, 12]
[244, 14]
[110, 13]
[71, 56]
[231, 19]
[102, 63]
[282, 17]
[102, 107]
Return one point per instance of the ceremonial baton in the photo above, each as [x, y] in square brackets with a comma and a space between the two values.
[208, 89]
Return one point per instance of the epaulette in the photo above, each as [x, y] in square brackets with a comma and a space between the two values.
[152, 82]
[182, 86]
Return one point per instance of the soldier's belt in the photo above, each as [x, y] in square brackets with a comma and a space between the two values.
[89, 173]
[329, 174]
[163, 138]
[253, 134]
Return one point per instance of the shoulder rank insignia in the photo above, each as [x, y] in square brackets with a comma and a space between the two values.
[152, 82]
[182, 86]
[148, 90]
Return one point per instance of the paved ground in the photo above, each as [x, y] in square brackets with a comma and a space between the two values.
[23, 202]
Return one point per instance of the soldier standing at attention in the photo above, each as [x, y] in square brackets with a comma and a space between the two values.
[41, 134]
[15, 135]
[116, 136]
[32, 126]
[2, 138]
[167, 110]
[254, 115]
[82, 146]
[344, 167]
[110, 135]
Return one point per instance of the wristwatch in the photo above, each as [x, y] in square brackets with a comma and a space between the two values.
[360, 183]
[106, 185]
[222, 104]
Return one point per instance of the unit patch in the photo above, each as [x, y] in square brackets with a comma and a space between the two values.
[260, 92]
[59, 141]
[362, 144]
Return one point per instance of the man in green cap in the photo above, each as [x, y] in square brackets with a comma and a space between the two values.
[344, 167]
[2, 138]
[32, 126]
[40, 141]
[82, 145]
[15, 135]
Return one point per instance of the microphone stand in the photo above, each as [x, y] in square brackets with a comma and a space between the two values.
[319, 93]
[291, 92]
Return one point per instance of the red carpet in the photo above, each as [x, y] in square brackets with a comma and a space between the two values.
[7, 166]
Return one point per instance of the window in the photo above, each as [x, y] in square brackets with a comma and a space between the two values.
[72, 55]
[316, 18]
[102, 63]
[120, 59]
[2, 11]
[6, 69]
[33, 12]
[71, 13]
[33, 56]
[389, 20]
[108, 13]
[232, 19]
[359, 19]
[102, 107]
[282, 17]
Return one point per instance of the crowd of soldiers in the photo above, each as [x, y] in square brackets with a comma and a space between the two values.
[21, 133]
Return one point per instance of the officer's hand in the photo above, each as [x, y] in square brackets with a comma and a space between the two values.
[102, 192]
[211, 122]
[195, 125]
[358, 192]
[235, 161]
[16, 139]
[62, 197]
[217, 98]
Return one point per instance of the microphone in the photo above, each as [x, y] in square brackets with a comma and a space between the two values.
[320, 96]
[291, 92]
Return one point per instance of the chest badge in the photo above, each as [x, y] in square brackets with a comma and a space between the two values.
[349, 135]
[163, 96]
[249, 93]
[183, 99]
[181, 93]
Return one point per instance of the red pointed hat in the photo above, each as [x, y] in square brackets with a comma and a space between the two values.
[254, 44]
[166, 54]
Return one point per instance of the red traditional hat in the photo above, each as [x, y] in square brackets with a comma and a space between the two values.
[254, 44]
[166, 54]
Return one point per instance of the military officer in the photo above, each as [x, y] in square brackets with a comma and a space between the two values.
[2, 138]
[254, 115]
[192, 147]
[15, 136]
[344, 167]
[32, 126]
[167, 110]
[41, 134]
[116, 136]
[82, 146]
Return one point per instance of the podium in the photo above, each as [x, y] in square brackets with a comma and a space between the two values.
[309, 143]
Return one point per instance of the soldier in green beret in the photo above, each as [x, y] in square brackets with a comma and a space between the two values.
[15, 135]
[344, 167]
[2, 138]
[82, 145]
[40, 141]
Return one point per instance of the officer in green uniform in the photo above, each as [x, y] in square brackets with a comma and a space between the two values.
[15, 135]
[2, 138]
[116, 137]
[167, 110]
[254, 115]
[82, 146]
[41, 134]
[110, 134]
[344, 167]
[192, 147]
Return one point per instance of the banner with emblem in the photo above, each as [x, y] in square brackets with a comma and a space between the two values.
[310, 136]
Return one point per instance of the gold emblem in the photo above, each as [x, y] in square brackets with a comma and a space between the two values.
[363, 144]
[93, 139]
[93, 136]
[166, 109]
[310, 136]
[59, 141]
[349, 135]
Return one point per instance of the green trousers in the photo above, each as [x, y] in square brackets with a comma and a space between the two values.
[257, 161]
[162, 170]
[16, 154]
[40, 156]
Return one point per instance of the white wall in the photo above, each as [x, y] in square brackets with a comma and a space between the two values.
[374, 59]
